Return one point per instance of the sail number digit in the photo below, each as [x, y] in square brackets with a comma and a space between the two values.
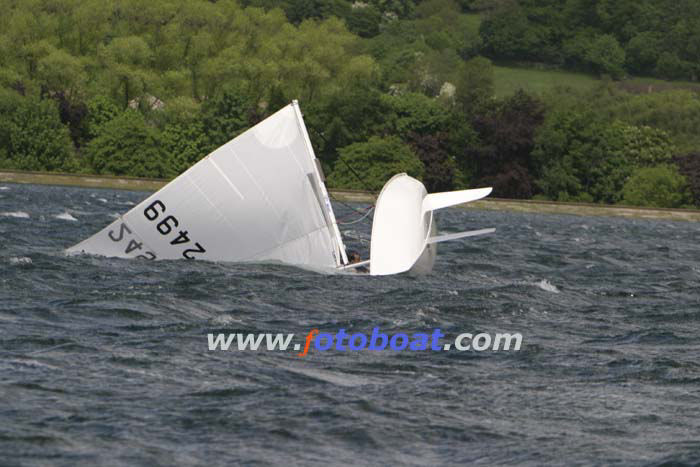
[169, 225]
[132, 244]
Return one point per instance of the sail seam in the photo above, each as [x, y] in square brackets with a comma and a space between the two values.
[228, 180]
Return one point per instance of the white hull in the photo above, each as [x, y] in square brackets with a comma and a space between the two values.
[404, 231]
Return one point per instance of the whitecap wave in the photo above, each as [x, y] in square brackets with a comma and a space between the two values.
[20, 260]
[16, 214]
[3, 188]
[544, 284]
[65, 217]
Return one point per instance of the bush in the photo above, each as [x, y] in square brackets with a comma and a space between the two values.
[506, 140]
[100, 110]
[374, 161]
[583, 156]
[660, 186]
[32, 136]
[689, 167]
[227, 115]
[606, 56]
[127, 145]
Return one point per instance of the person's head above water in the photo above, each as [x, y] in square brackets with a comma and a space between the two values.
[354, 257]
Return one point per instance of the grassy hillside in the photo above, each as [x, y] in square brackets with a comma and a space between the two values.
[507, 80]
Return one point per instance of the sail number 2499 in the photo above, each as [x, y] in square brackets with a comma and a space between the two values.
[168, 227]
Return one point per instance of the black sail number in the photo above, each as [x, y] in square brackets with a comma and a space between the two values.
[168, 227]
[132, 244]
[122, 229]
[199, 249]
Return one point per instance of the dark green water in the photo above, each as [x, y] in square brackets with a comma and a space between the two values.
[105, 361]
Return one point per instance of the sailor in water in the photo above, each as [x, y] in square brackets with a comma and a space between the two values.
[353, 258]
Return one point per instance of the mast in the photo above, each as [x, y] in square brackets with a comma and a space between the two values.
[341, 255]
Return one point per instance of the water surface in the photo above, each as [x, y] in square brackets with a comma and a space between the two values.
[105, 361]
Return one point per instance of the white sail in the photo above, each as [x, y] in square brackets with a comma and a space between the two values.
[259, 197]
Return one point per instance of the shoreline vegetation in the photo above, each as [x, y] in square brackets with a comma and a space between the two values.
[597, 102]
[357, 196]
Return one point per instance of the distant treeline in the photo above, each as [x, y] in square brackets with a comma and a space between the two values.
[642, 37]
[148, 87]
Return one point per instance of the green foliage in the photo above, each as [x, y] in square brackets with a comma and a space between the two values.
[689, 167]
[502, 154]
[376, 161]
[607, 37]
[350, 115]
[227, 115]
[659, 186]
[32, 136]
[424, 123]
[643, 52]
[127, 145]
[644, 146]
[606, 56]
[675, 112]
[148, 88]
[184, 138]
[184, 143]
[415, 113]
[507, 33]
[475, 84]
[125, 62]
[364, 21]
[100, 111]
[582, 156]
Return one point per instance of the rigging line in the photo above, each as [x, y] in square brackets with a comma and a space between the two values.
[367, 187]
[358, 220]
[362, 181]
[355, 174]
[358, 211]
[361, 212]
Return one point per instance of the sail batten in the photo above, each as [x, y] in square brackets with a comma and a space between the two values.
[249, 200]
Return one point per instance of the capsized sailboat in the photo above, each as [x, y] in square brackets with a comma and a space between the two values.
[262, 197]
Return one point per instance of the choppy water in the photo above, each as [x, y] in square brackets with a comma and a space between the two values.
[105, 361]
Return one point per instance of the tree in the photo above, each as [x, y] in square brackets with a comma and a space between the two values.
[669, 66]
[474, 85]
[423, 123]
[32, 136]
[127, 145]
[125, 62]
[582, 156]
[184, 137]
[506, 139]
[100, 110]
[689, 167]
[659, 186]
[606, 56]
[506, 33]
[227, 114]
[432, 150]
[642, 52]
[350, 115]
[415, 113]
[364, 20]
[374, 161]
[60, 72]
